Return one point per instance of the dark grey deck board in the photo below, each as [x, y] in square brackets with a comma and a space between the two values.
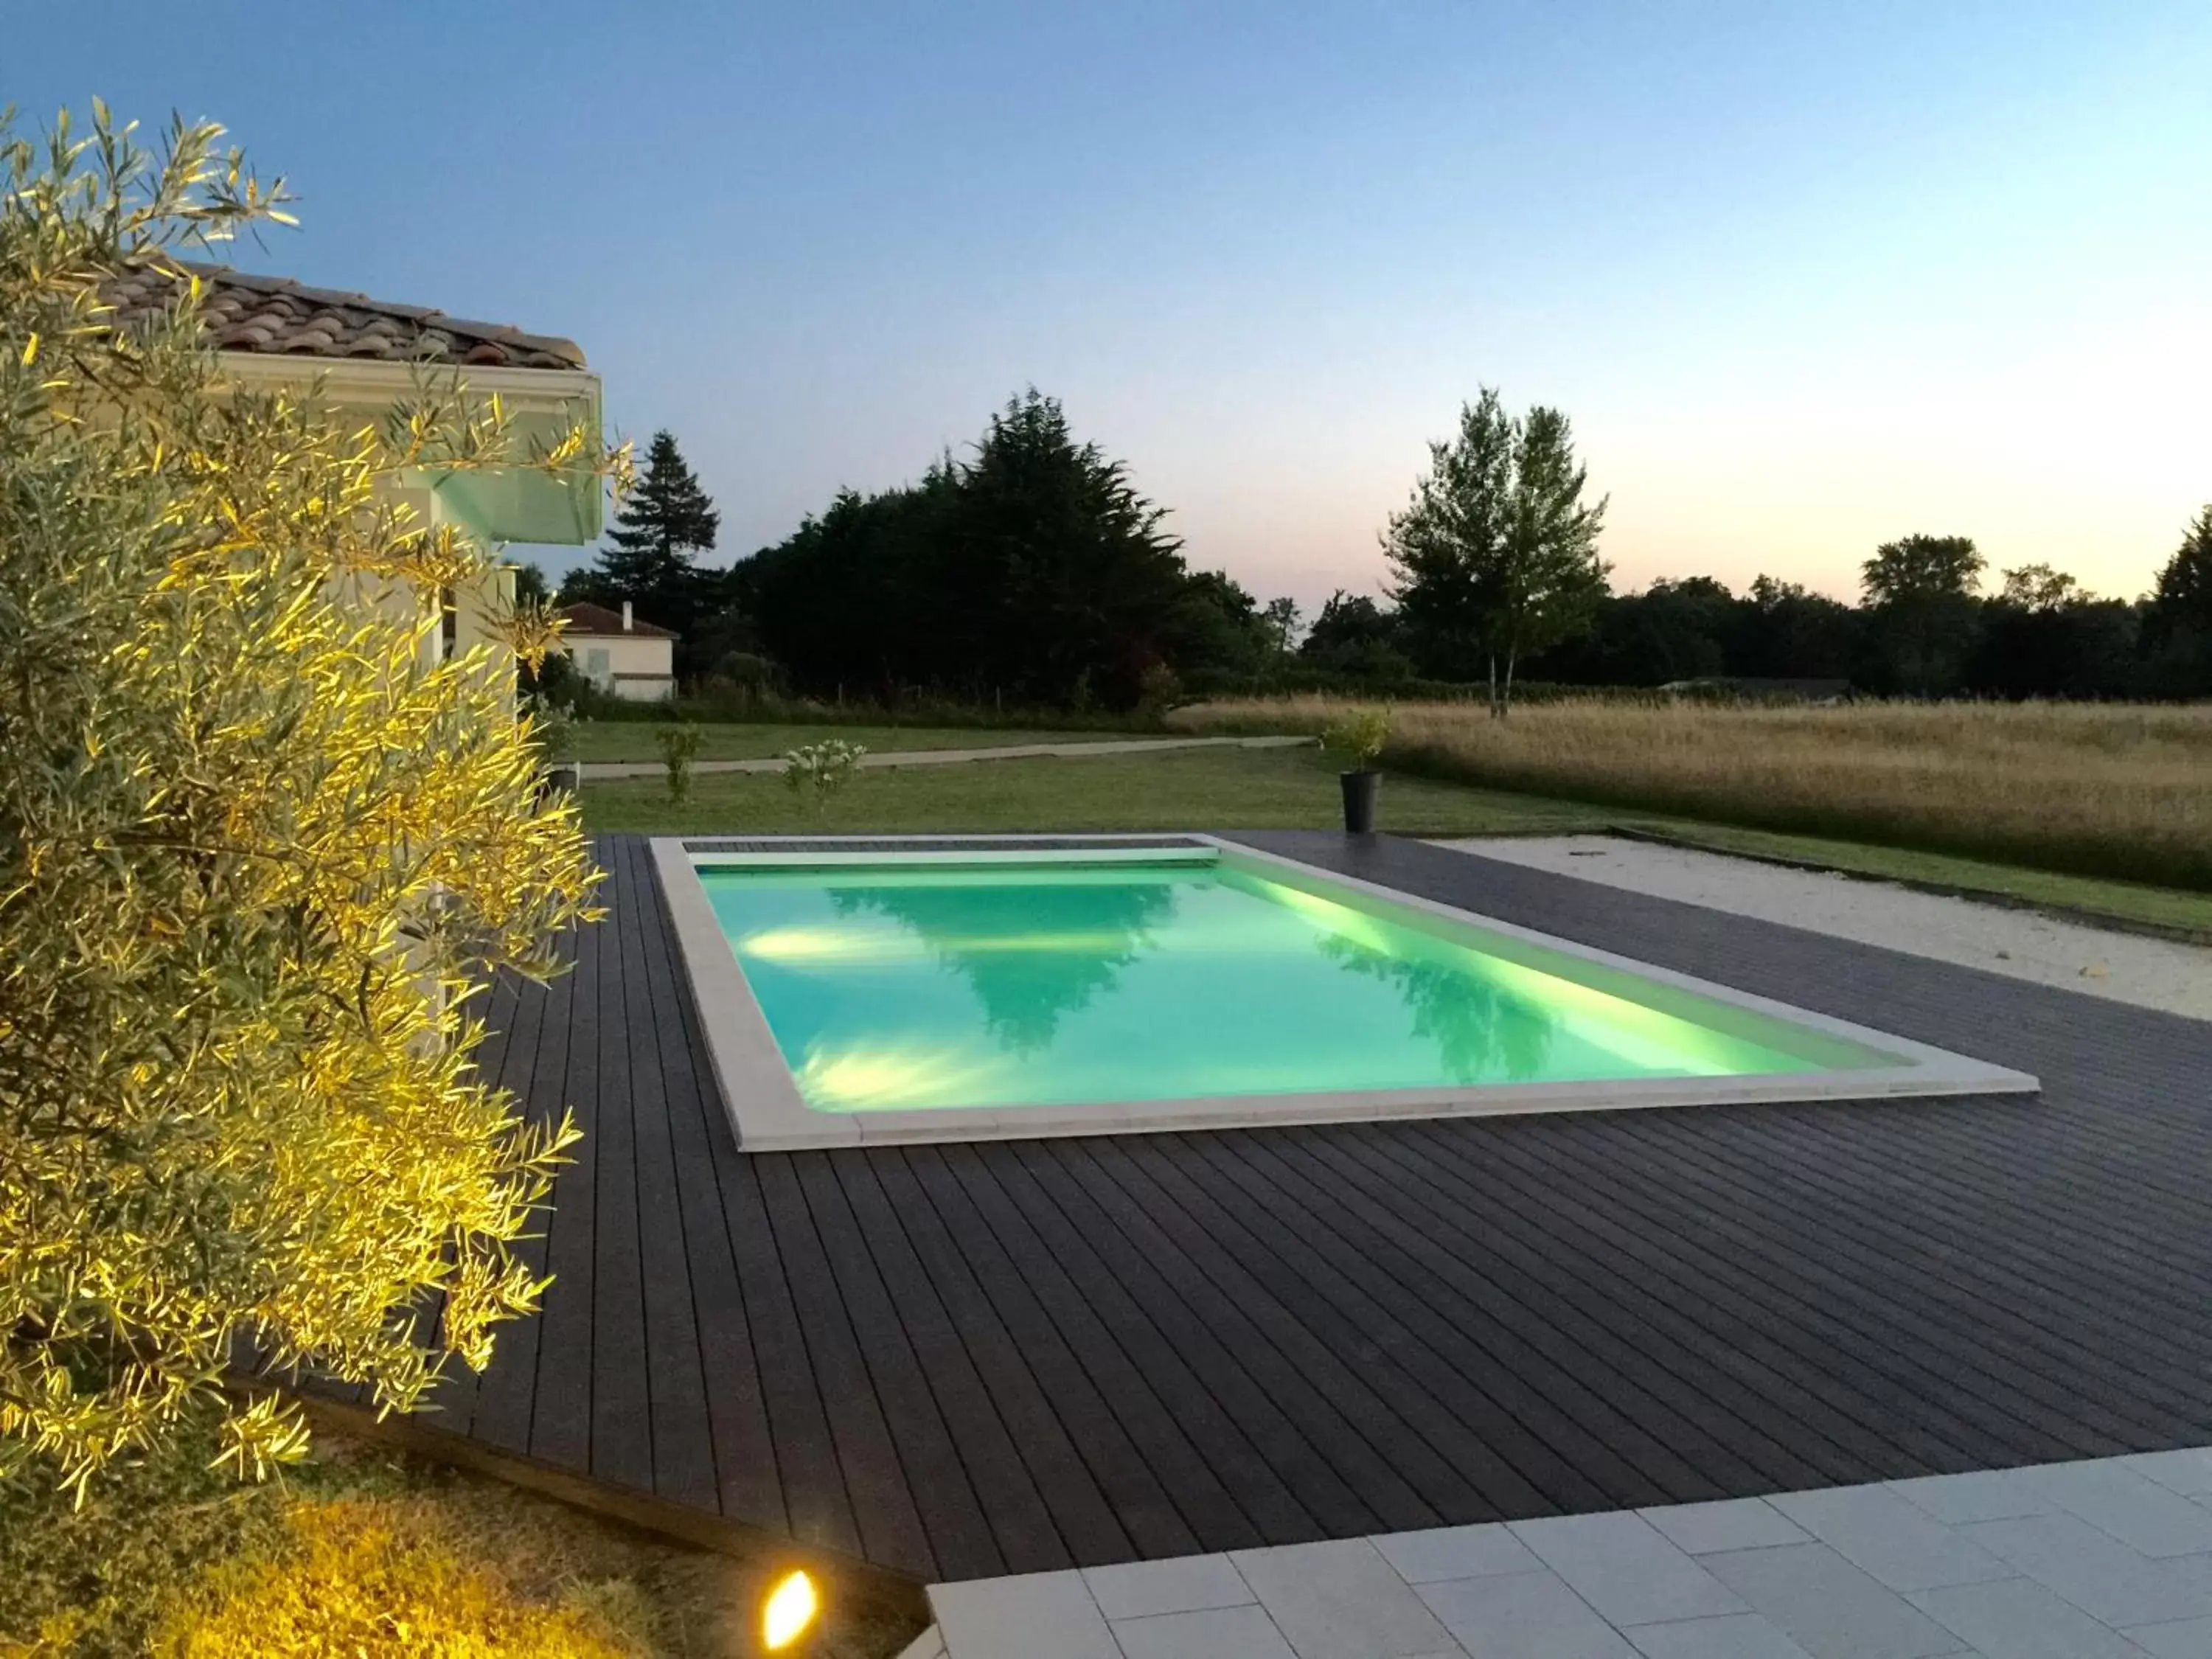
[1324, 1265]
[928, 1460]
[1695, 1300]
[1241, 1435]
[1451, 1461]
[1339, 1481]
[506, 1060]
[1090, 1403]
[505, 1394]
[747, 1487]
[886, 1497]
[1145, 1381]
[621, 1409]
[812, 1482]
[1010, 1503]
[1081, 1514]
[560, 1403]
[1688, 1402]
[684, 1469]
[1019, 1356]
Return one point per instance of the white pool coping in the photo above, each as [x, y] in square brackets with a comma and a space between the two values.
[767, 1114]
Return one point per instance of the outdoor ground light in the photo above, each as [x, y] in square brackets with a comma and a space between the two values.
[789, 1613]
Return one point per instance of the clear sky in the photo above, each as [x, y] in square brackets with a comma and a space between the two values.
[1808, 274]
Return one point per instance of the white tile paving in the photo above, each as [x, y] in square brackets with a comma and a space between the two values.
[2188, 1472]
[2192, 1639]
[1896, 1541]
[1340, 1601]
[2019, 1619]
[2103, 1560]
[1215, 1633]
[1621, 1565]
[1022, 1616]
[2144, 1515]
[1738, 1524]
[1425, 1558]
[1737, 1636]
[2099, 1574]
[1190, 1584]
[1828, 1606]
[1524, 1615]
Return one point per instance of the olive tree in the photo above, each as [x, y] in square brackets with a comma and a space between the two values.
[262, 846]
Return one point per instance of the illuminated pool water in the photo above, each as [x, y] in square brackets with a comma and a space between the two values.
[904, 988]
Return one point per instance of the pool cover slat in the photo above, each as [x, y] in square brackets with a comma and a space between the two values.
[961, 1360]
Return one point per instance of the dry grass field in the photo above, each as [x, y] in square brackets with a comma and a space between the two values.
[2103, 789]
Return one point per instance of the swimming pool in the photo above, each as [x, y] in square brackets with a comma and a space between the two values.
[942, 990]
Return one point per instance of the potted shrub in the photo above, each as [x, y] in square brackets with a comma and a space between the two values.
[557, 741]
[1359, 736]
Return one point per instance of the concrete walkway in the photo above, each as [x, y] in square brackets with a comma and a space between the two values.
[2150, 973]
[893, 757]
[2104, 1560]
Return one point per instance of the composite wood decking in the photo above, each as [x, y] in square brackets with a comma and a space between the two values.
[967, 1360]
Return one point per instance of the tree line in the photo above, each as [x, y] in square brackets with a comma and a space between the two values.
[1924, 626]
[1033, 572]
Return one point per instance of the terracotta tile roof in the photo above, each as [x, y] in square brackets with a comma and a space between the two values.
[588, 618]
[277, 317]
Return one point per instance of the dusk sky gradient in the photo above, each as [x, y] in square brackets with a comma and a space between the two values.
[1805, 276]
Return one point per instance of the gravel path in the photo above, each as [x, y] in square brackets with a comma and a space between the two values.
[890, 757]
[2151, 973]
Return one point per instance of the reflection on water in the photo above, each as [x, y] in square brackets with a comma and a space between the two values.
[1482, 1032]
[1032, 954]
[956, 986]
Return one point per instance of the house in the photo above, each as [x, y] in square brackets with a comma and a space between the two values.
[619, 654]
[365, 356]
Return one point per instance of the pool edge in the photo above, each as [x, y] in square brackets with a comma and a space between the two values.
[766, 1112]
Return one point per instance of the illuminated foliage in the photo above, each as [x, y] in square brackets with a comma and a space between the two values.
[261, 850]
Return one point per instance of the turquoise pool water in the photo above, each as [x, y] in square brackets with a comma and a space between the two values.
[897, 987]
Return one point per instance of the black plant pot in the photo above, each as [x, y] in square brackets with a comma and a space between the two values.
[561, 777]
[1360, 789]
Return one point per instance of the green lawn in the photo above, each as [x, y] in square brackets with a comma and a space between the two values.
[1286, 789]
[634, 740]
[2164, 909]
[1200, 789]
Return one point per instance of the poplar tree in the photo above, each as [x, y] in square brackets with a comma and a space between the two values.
[1496, 554]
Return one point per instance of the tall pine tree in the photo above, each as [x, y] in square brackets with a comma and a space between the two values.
[649, 560]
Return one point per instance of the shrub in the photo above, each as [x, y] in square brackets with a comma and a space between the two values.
[679, 747]
[1358, 735]
[821, 769]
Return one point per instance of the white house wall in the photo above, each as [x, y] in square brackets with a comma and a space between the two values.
[637, 667]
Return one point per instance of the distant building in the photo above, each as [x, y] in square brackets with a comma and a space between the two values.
[619, 654]
[1758, 690]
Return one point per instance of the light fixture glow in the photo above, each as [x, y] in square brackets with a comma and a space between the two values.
[789, 1612]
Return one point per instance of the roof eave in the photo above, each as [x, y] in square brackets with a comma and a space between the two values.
[349, 380]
